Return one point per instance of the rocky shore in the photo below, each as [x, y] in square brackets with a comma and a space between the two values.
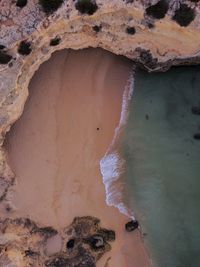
[23, 243]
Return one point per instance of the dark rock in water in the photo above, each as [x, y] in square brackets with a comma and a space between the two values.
[131, 226]
[70, 243]
[197, 136]
[196, 110]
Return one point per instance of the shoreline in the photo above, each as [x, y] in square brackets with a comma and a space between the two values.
[68, 125]
[112, 163]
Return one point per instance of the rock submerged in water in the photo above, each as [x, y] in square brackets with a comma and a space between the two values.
[196, 110]
[131, 226]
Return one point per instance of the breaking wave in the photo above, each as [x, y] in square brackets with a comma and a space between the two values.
[112, 165]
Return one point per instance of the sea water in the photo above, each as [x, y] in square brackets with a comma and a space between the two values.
[163, 164]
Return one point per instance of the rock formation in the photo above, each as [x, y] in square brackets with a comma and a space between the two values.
[23, 243]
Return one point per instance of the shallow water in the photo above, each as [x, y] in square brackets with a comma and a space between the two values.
[163, 164]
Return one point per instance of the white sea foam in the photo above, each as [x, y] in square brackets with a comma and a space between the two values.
[112, 165]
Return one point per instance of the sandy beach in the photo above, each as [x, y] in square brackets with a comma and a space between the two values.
[56, 146]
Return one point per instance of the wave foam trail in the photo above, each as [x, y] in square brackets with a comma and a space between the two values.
[112, 165]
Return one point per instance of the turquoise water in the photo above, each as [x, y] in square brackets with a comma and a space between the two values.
[163, 164]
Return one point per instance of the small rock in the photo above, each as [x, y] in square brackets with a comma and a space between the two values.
[131, 226]
[196, 110]
[196, 136]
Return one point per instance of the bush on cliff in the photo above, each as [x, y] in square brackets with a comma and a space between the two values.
[50, 6]
[184, 15]
[159, 10]
[88, 7]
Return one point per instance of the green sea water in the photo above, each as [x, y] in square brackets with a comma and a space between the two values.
[163, 164]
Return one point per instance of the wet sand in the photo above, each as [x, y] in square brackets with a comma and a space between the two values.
[56, 146]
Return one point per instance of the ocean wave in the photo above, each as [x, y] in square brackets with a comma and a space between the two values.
[112, 165]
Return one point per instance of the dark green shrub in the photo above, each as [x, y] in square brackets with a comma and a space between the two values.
[97, 28]
[159, 10]
[184, 15]
[21, 3]
[4, 58]
[50, 6]
[2, 47]
[86, 6]
[55, 41]
[130, 30]
[24, 48]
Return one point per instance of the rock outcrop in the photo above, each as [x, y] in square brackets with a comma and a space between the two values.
[23, 243]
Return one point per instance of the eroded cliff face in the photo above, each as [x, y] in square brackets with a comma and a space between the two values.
[155, 34]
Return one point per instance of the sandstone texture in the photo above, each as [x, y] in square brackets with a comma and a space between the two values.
[23, 243]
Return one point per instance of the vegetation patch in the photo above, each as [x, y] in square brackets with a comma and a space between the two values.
[24, 48]
[55, 41]
[159, 10]
[184, 15]
[88, 7]
[2, 47]
[130, 30]
[50, 6]
[4, 58]
[21, 3]
[97, 28]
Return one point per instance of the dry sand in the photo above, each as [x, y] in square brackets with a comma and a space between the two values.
[56, 146]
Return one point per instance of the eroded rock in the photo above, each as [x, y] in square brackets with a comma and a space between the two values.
[23, 243]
